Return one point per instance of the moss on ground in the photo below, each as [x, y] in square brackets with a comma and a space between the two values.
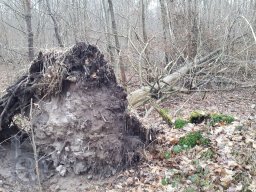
[217, 118]
[189, 141]
[180, 123]
[192, 139]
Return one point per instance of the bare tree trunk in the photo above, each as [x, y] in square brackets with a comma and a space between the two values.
[144, 31]
[170, 5]
[55, 23]
[192, 25]
[28, 18]
[165, 27]
[143, 20]
[114, 28]
[145, 40]
[74, 20]
[107, 31]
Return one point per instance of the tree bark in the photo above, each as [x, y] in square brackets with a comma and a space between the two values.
[143, 20]
[30, 35]
[192, 25]
[55, 23]
[145, 40]
[165, 29]
[107, 31]
[170, 5]
[118, 48]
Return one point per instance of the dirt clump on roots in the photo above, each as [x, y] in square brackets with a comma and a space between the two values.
[79, 113]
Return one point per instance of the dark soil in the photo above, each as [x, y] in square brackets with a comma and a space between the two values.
[79, 114]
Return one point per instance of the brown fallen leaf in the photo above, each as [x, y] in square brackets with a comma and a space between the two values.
[225, 181]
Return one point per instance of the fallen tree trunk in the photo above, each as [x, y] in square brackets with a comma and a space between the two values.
[143, 94]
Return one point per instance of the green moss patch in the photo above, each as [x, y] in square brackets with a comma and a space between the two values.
[165, 181]
[220, 119]
[192, 139]
[197, 117]
[164, 113]
[180, 123]
[177, 149]
[189, 141]
[167, 155]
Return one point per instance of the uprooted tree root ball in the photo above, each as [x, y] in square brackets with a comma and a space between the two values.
[80, 116]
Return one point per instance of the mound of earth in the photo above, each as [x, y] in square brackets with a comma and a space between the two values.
[77, 112]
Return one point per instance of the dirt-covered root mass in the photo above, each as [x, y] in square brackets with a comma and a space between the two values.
[84, 130]
[79, 113]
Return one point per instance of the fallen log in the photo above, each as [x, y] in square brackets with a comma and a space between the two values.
[141, 95]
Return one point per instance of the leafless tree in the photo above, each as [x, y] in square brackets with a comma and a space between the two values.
[165, 27]
[55, 23]
[107, 31]
[118, 47]
[28, 19]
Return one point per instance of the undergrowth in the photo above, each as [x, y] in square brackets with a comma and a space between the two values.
[189, 141]
[180, 123]
[220, 119]
[192, 139]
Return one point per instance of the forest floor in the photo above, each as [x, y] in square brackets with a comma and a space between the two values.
[226, 163]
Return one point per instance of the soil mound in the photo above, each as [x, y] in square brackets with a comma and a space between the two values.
[79, 113]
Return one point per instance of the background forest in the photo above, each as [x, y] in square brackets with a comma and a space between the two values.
[148, 37]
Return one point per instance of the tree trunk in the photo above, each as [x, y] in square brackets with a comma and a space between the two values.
[55, 23]
[143, 21]
[165, 28]
[114, 28]
[28, 19]
[170, 5]
[107, 31]
[192, 25]
[145, 40]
